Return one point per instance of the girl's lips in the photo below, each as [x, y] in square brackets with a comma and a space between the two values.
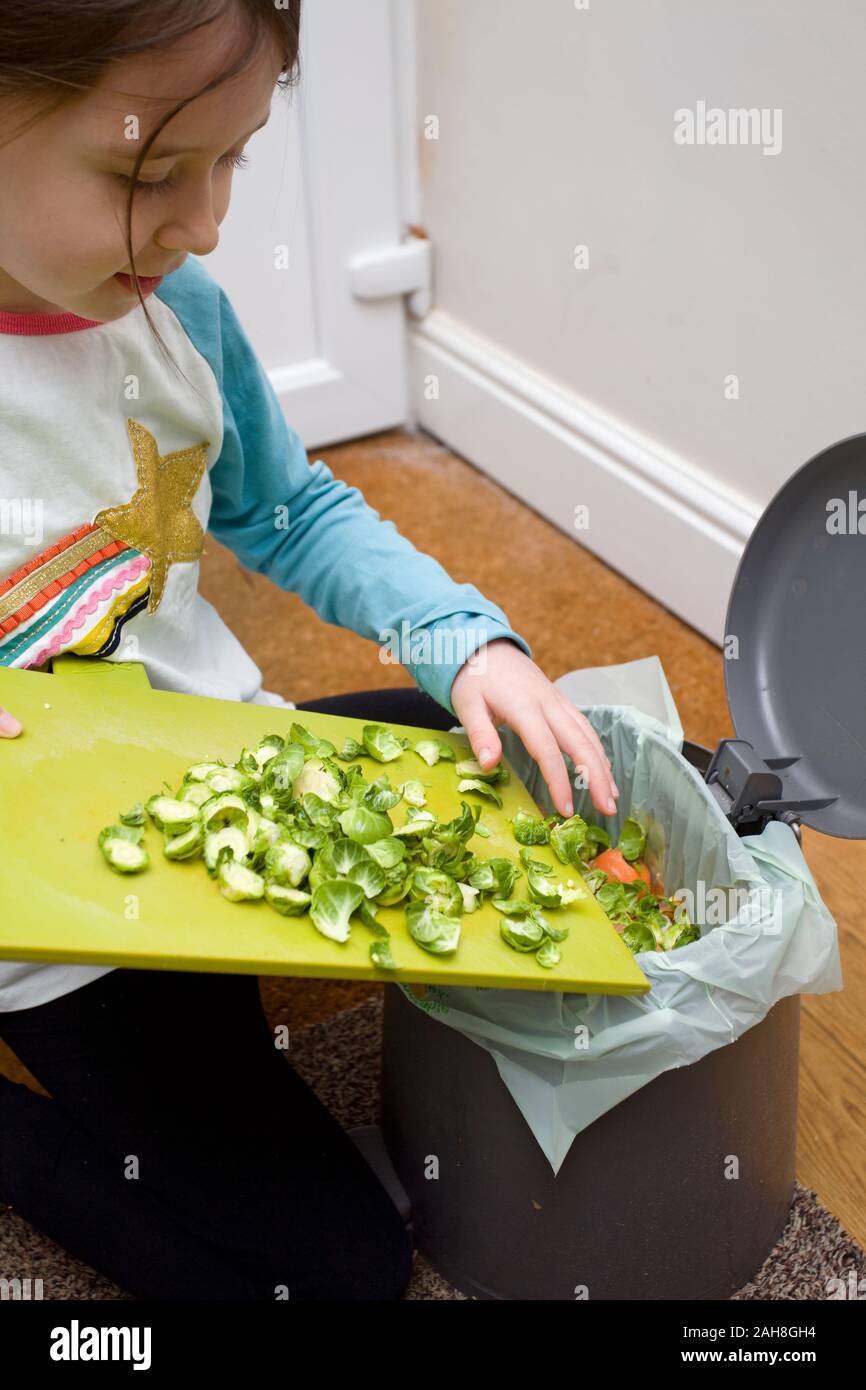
[148, 282]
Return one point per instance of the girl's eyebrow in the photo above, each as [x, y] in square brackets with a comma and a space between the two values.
[126, 149]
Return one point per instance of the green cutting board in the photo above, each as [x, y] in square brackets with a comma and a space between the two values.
[97, 739]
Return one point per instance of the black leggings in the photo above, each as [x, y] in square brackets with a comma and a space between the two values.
[180, 1153]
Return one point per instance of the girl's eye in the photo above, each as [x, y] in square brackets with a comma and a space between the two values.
[233, 161]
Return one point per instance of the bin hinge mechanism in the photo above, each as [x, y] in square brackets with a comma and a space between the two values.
[406, 268]
[749, 788]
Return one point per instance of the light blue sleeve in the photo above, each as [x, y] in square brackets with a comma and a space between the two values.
[311, 533]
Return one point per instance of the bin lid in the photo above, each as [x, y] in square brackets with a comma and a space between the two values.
[796, 675]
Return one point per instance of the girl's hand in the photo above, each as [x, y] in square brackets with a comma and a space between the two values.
[507, 687]
[9, 725]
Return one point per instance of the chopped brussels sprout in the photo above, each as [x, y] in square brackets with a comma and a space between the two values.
[521, 933]
[469, 896]
[632, 840]
[530, 830]
[286, 823]
[474, 784]
[471, 768]
[195, 792]
[230, 837]
[200, 772]
[413, 792]
[122, 849]
[496, 875]
[548, 954]
[575, 841]
[287, 863]
[268, 749]
[229, 779]
[570, 892]
[280, 773]
[418, 824]
[185, 846]
[434, 931]
[171, 815]
[238, 883]
[381, 742]
[290, 902]
[227, 808]
[387, 852]
[432, 749]
[380, 795]
[397, 881]
[367, 914]
[315, 777]
[369, 876]
[380, 955]
[366, 826]
[351, 749]
[332, 905]
[437, 889]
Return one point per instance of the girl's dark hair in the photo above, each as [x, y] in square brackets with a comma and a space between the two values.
[55, 51]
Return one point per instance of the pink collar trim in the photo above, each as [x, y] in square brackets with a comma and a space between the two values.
[33, 324]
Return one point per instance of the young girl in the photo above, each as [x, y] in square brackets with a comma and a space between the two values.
[134, 415]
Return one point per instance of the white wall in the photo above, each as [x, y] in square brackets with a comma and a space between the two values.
[556, 128]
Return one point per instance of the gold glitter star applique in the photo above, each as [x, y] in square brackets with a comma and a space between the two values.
[159, 520]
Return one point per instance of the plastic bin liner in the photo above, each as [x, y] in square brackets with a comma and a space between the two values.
[568, 1058]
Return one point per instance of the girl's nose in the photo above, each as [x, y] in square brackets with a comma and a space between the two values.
[191, 226]
[197, 236]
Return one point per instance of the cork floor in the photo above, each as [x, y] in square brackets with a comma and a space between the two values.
[458, 515]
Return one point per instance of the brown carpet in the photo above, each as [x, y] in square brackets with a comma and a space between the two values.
[812, 1249]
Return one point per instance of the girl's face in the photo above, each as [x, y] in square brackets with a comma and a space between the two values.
[66, 179]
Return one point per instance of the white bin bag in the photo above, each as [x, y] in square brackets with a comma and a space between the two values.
[568, 1058]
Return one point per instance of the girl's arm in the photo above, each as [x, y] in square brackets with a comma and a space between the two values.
[314, 535]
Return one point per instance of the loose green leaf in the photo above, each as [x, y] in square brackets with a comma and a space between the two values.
[632, 840]
[521, 933]
[332, 905]
[289, 902]
[381, 742]
[413, 792]
[380, 955]
[366, 826]
[473, 784]
[432, 749]
[530, 830]
[434, 931]
[471, 768]
[548, 955]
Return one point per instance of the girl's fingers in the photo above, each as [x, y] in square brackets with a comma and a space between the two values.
[584, 753]
[540, 741]
[480, 730]
[588, 732]
[10, 727]
[545, 732]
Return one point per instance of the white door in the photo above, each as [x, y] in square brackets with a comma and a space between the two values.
[313, 252]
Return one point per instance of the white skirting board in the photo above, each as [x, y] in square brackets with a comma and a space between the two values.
[662, 523]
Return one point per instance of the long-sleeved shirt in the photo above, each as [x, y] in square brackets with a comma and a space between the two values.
[113, 467]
